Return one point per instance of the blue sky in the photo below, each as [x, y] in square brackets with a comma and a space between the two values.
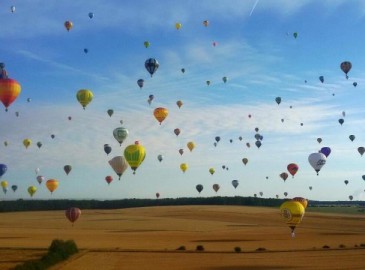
[257, 53]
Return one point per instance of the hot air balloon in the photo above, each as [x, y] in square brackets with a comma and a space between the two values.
[9, 88]
[151, 65]
[4, 184]
[217, 139]
[240, 138]
[157, 195]
[225, 79]
[160, 114]
[39, 144]
[317, 160]
[216, 187]
[199, 188]
[178, 25]
[69, 118]
[310, 188]
[3, 169]
[284, 176]
[179, 103]
[278, 100]
[214, 43]
[91, 15]
[341, 121]
[52, 185]
[12, 9]
[354, 84]
[346, 182]
[160, 158]
[205, 23]
[72, 214]
[346, 67]
[326, 151]
[235, 183]
[191, 146]
[181, 151]
[107, 149]
[295, 35]
[32, 190]
[140, 83]
[319, 140]
[212, 171]
[14, 187]
[120, 134]
[27, 143]
[208, 83]
[84, 97]
[40, 179]
[134, 154]
[301, 200]
[258, 144]
[67, 169]
[6, 143]
[292, 212]
[352, 137]
[361, 150]
[110, 112]
[68, 25]
[183, 70]
[37, 170]
[293, 168]
[245, 160]
[53, 136]
[177, 131]
[146, 44]
[86, 50]
[321, 78]
[108, 179]
[183, 167]
[119, 165]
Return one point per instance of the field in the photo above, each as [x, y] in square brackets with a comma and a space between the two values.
[148, 238]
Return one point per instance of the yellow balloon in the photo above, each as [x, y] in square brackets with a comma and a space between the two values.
[292, 212]
[4, 184]
[135, 154]
[178, 26]
[212, 171]
[84, 96]
[52, 185]
[191, 146]
[27, 142]
[32, 190]
[301, 200]
[183, 167]
[160, 114]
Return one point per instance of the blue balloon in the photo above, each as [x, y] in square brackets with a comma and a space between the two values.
[3, 169]
[326, 151]
[91, 15]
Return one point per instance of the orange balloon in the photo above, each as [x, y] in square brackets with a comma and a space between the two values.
[9, 91]
[52, 185]
[160, 114]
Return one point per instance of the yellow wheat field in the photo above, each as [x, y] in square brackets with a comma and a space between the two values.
[148, 238]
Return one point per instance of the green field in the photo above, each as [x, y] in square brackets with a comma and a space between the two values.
[346, 209]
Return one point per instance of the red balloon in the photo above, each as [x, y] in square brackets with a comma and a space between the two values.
[108, 179]
[72, 214]
[293, 168]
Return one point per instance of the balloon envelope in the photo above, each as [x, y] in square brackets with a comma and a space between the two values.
[67, 169]
[151, 65]
[52, 185]
[292, 212]
[120, 134]
[317, 160]
[134, 154]
[216, 187]
[293, 168]
[160, 114]
[119, 165]
[107, 149]
[3, 169]
[199, 188]
[72, 214]
[235, 183]
[326, 151]
[9, 91]
[84, 97]
[32, 190]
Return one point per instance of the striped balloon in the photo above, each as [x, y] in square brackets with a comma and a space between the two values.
[72, 214]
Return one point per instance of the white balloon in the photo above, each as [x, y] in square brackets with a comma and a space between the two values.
[119, 165]
[317, 160]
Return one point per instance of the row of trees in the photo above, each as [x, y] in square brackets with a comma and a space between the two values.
[39, 205]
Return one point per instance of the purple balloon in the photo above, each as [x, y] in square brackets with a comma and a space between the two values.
[326, 151]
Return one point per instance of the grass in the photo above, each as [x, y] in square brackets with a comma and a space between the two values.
[346, 209]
